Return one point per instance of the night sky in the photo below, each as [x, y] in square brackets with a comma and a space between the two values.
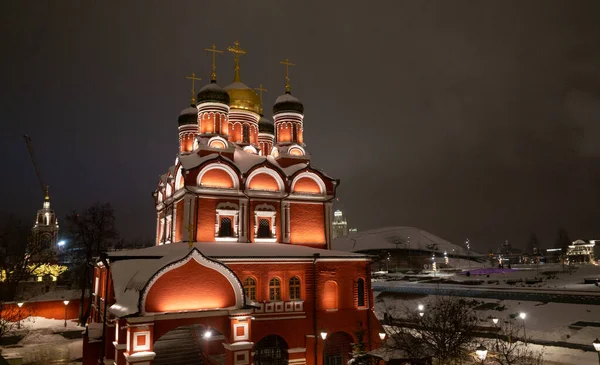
[476, 119]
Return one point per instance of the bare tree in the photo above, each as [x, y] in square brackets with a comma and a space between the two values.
[509, 349]
[443, 328]
[90, 233]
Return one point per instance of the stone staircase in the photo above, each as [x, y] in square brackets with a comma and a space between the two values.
[178, 347]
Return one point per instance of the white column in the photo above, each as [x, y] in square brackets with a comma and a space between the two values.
[287, 223]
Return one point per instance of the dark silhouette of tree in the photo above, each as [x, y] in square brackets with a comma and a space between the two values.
[360, 356]
[562, 240]
[511, 347]
[90, 233]
[445, 330]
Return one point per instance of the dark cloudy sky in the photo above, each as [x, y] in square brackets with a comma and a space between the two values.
[476, 119]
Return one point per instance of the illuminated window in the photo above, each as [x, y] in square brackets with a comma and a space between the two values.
[361, 292]
[225, 228]
[250, 288]
[295, 288]
[246, 134]
[274, 289]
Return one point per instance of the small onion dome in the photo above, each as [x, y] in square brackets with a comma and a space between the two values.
[242, 97]
[213, 93]
[188, 115]
[266, 126]
[287, 103]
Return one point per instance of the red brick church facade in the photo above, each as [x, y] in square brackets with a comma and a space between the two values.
[242, 271]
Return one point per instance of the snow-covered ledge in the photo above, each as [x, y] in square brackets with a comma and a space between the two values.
[140, 356]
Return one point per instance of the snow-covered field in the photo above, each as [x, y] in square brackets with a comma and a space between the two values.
[42, 341]
[544, 321]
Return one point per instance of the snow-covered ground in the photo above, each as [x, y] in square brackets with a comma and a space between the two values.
[544, 321]
[42, 341]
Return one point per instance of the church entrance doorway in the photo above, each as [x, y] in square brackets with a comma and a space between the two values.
[271, 350]
[185, 345]
[337, 349]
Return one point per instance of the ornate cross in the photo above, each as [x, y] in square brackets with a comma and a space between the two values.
[237, 51]
[287, 63]
[214, 50]
[260, 92]
[194, 79]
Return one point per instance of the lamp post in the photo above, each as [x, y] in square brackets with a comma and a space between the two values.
[495, 320]
[523, 315]
[20, 304]
[597, 348]
[66, 303]
[323, 335]
[481, 352]
[382, 335]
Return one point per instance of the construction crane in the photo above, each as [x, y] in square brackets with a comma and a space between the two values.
[35, 165]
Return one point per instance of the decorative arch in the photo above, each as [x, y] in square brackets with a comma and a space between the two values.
[176, 287]
[264, 182]
[296, 151]
[330, 295]
[216, 177]
[168, 190]
[179, 179]
[217, 142]
[251, 149]
[308, 183]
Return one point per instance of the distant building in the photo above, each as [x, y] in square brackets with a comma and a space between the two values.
[45, 228]
[581, 252]
[340, 226]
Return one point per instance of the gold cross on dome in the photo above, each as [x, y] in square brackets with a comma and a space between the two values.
[237, 51]
[287, 63]
[194, 79]
[214, 50]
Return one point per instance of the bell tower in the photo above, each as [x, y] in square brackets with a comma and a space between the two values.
[45, 228]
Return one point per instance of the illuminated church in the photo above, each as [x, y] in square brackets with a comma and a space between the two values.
[242, 271]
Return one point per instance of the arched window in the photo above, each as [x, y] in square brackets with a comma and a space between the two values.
[250, 288]
[295, 288]
[274, 289]
[264, 228]
[337, 349]
[225, 229]
[361, 292]
[246, 134]
[294, 133]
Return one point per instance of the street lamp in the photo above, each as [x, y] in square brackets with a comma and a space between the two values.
[495, 320]
[421, 314]
[382, 335]
[597, 348]
[20, 304]
[421, 307]
[323, 335]
[207, 334]
[523, 315]
[66, 303]
[481, 352]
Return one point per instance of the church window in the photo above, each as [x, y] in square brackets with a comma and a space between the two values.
[361, 292]
[294, 133]
[271, 350]
[246, 134]
[274, 289]
[250, 288]
[264, 228]
[295, 288]
[225, 228]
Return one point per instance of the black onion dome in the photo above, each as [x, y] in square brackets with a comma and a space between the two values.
[265, 126]
[188, 115]
[287, 103]
[213, 93]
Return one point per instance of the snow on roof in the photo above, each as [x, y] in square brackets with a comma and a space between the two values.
[391, 238]
[131, 269]
[286, 97]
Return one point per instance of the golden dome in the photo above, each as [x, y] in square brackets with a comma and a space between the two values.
[242, 97]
